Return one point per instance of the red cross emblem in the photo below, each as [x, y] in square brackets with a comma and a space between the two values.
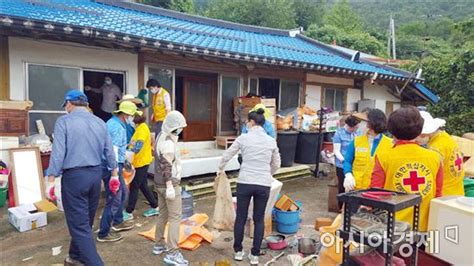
[458, 162]
[414, 181]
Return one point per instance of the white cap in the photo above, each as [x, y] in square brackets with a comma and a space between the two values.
[431, 124]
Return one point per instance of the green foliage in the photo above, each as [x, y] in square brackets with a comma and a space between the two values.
[343, 17]
[309, 12]
[266, 13]
[186, 6]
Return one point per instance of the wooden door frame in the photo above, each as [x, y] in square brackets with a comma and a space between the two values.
[214, 96]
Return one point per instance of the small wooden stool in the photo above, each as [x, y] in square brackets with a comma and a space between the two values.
[224, 141]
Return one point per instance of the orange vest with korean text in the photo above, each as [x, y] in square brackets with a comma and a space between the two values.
[159, 106]
[411, 168]
[453, 168]
[363, 163]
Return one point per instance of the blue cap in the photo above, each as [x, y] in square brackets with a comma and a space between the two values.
[74, 95]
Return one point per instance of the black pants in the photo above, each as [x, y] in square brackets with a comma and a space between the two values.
[260, 196]
[340, 183]
[140, 182]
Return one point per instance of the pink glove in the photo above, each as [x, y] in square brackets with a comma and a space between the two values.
[114, 184]
[50, 191]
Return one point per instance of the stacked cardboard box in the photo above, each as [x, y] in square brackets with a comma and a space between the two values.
[243, 105]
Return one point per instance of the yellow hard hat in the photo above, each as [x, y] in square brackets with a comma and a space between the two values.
[128, 108]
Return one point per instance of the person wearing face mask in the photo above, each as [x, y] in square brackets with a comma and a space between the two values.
[80, 145]
[110, 94]
[441, 142]
[407, 167]
[114, 219]
[261, 159]
[130, 120]
[341, 140]
[160, 104]
[167, 185]
[359, 158]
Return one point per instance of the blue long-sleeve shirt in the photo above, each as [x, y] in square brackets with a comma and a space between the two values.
[80, 140]
[118, 134]
[350, 153]
[267, 127]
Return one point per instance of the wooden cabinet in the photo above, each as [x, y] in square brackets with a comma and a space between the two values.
[13, 122]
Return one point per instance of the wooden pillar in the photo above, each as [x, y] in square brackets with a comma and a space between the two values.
[246, 84]
[303, 91]
[141, 71]
[4, 69]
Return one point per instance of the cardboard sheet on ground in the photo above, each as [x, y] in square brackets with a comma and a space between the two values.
[191, 232]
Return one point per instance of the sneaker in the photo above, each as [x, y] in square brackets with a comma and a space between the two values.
[158, 249]
[175, 258]
[127, 216]
[253, 259]
[239, 256]
[111, 237]
[151, 212]
[72, 262]
[126, 225]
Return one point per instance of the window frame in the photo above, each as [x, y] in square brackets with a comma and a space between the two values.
[258, 84]
[299, 91]
[335, 88]
[219, 100]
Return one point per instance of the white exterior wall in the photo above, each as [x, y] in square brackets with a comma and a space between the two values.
[353, 96]
[313, 96]
[24, 51]
[379, 93]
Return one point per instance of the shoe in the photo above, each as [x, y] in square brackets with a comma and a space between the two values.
[124, 226]
[68, 261]
[127, 216]
[158, 249]
[151, 212]
[111, 237]
[175, 258]
[253, 259]
[239, 256]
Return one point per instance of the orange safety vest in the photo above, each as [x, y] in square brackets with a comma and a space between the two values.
[363, 164]
[453, 167]
[159, 106]
[411, 168]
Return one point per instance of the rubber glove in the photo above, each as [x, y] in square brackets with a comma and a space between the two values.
[349, 182]
[114, 184]
[50, 190]
[170, 193]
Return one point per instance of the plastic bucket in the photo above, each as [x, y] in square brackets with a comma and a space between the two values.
[3, 196]
[469, 187]
[287, 217]
[288, 228]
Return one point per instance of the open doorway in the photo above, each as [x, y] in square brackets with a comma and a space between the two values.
[94, 81]
[270, 88]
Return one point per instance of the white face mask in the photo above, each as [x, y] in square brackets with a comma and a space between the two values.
[422, 140]
[130, 120]
[178, 131]
[108, 82]
[154, 90]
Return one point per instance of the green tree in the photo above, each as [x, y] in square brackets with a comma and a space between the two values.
[186, 6]
[309, 12]
[343, 17]
[266, 13]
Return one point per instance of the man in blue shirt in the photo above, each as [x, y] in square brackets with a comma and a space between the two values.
[113, 214]
[80, 144]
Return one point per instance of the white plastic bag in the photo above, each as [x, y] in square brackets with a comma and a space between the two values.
[224, 213]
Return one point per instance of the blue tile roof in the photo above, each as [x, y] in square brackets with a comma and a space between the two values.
[243, 43]
[427, 92]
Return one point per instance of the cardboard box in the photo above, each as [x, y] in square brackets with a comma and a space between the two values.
[269, 102]
[26, 217]
[284, 203]
[247, 102]
[321, 222]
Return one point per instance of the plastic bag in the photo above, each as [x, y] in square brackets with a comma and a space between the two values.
[224, 213]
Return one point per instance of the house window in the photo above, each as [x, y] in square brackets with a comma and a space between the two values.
[289, 94]
[230, 88]
[46, 86]
[253, 86]
[334, 98]
[166, 78]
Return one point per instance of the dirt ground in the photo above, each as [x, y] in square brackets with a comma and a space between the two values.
[135, 249]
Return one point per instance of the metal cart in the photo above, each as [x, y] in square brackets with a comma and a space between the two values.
[397, 202]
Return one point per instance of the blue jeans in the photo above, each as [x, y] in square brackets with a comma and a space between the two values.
[114, 204]
[80, 191]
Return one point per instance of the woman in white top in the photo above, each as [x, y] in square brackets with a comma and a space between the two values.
[261, 159]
